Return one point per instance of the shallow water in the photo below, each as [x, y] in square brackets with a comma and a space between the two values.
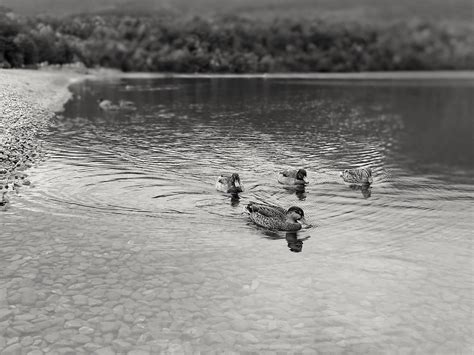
[122, 243]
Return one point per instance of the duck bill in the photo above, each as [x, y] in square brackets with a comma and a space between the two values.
[239, 186]
[304, 223]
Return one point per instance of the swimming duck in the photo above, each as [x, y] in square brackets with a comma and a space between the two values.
[127, 105]
[25, 181]
[4, 200]
[275, 217]
[230, 184]
[293, 177]
[357, 176]
[107, 105]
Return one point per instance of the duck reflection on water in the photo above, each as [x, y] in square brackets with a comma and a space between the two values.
[298, 190]
[365, 189]
[294, 241]
[234, 199]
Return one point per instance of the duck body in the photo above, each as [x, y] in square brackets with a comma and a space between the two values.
[107, 105]
[361, 176]
[127, 105]
[293, 177]
[274, 217]
[229, 183]
[4, 200]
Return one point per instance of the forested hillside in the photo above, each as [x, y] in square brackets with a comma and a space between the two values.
[166, 42]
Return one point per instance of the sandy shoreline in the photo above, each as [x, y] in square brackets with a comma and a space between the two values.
[28, 100]
[33, 94]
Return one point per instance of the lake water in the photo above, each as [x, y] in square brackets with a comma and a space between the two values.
[123, 244]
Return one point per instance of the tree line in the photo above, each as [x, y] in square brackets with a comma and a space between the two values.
[231, 44]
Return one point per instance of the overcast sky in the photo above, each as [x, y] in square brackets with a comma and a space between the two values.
[439, 10]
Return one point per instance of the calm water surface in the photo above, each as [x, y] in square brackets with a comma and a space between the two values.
[123, 243]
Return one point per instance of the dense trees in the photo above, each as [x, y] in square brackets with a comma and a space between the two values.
[231, 44]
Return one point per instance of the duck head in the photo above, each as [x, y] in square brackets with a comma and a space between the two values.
[236, 185]
[296, 214]
[302, 175]
[345, 174]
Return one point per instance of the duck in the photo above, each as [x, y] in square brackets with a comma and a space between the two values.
[25, 181]
[293, 177]
[275, 217]
[229, 183]
[359, 176]
[107, 105]
[127, 105]
[5, 200]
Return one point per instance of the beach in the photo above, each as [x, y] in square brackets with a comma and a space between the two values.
[33, 95]
[29, 99]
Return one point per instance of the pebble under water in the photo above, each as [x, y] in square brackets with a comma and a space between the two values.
[122, 245]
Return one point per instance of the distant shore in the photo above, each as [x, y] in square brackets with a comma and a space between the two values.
[172, 43]
[389, 75]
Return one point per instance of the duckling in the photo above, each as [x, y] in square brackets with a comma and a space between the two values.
[230, 184]
[293, 177]
[357, 176]
[275, 217]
